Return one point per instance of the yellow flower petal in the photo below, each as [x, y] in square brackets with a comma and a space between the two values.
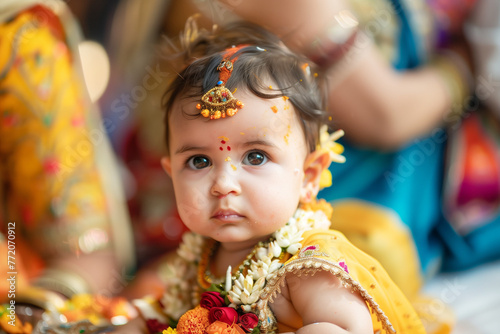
[325, 180]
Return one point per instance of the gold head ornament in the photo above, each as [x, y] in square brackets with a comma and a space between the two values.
[219, 102]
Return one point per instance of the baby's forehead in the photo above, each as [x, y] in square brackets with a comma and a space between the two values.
[186, 103]
[263, 115]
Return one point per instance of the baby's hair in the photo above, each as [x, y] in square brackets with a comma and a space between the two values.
[265, 60]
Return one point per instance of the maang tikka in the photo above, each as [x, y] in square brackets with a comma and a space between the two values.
[219, 102]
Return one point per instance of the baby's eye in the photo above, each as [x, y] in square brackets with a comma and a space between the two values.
[255, 158]
[198, 162]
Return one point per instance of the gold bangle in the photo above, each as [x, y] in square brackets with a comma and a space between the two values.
[65, 282]
[40, 297]
[457, 77]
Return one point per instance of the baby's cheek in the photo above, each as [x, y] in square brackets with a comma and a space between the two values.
[191, 204]
[296, 177]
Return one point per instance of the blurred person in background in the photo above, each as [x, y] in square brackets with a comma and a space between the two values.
[62, 210]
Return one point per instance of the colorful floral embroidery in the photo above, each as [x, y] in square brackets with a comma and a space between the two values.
[312, 251]
[344, 266]
[308, 251]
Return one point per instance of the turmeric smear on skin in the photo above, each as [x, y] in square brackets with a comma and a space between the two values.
[274, 109]
[287, 134]
[287, 106]
[223, 138]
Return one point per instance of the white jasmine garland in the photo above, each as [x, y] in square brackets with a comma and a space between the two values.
[274, 249]
[228, 285]
[191, 246]
[262, 253]
[178, 301]
[294, 248]
[320, 220]
[263, 267]
[287, 236]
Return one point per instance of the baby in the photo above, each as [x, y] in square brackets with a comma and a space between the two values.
[247, 154]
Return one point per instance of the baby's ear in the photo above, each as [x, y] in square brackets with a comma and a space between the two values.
[167, 167]
[314, 165]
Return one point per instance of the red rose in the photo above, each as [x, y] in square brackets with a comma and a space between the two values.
[248, 321]
[224, 314]
[211, 299]
[154, 326]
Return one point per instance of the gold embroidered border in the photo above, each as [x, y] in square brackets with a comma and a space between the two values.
[311, 266]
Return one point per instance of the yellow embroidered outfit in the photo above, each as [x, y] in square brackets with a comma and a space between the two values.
[330, 251]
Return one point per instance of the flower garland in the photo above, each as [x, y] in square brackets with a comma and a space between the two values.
[230, 306]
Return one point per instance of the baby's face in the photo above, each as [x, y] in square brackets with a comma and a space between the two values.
[237, 179]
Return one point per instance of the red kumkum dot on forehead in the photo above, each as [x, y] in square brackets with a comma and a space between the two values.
[229, 148]
[222, 141]
[220, 148]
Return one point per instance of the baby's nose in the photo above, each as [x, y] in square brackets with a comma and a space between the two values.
[225, 183]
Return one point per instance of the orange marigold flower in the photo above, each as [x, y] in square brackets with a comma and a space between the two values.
[219, 327]
[316, 205]
[194, 321]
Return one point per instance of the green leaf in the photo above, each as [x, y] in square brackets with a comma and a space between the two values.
[256, 329]
[226, 300]
[216, 288]
[172, 323]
